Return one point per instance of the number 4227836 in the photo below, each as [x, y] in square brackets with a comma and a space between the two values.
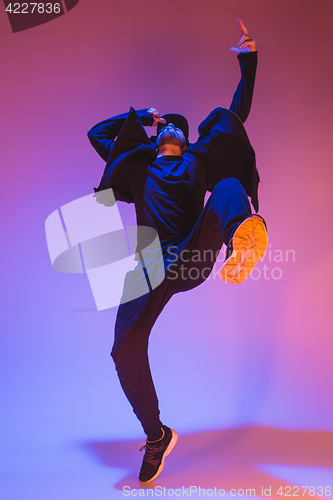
[34, 8]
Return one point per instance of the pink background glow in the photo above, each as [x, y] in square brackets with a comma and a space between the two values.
[222, 356]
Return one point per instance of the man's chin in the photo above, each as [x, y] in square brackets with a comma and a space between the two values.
[171, 141]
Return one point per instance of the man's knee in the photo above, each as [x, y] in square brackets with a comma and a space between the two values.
[229, 183]
[122, 350]
[116, 353]
[230, 189]
[129, 349]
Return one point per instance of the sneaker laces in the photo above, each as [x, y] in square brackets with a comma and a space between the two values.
[149, 455]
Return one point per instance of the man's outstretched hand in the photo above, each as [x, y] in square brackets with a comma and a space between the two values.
[246, 43]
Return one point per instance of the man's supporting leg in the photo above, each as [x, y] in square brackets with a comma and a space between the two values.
[134, 322]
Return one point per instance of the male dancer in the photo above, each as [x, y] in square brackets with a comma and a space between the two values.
[167, 182]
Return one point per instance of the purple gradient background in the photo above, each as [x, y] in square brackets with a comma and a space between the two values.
[222, 356]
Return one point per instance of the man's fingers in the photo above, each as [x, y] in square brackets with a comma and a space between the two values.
[250, 46]
[247, 46]
[240, 51]
[244, 39]
[156, 116]
[157, 120]
[241, 27]
[246, 43]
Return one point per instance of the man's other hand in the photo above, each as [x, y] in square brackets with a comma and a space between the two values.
[156, 116]
[246, 43]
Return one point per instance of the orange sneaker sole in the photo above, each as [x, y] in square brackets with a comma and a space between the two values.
[249, 246]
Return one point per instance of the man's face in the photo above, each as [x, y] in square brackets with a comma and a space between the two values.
[171, 135]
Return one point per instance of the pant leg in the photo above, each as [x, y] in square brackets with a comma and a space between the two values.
[134, 322]
[227, 206]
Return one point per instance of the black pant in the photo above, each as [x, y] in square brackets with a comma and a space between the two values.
[186, 265]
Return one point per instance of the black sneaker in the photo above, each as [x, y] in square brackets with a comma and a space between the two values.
[156, 451]
[247, 246]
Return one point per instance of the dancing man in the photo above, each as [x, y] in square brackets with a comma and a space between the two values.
[167, 179]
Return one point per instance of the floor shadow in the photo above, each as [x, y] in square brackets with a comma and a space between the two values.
[224, 459]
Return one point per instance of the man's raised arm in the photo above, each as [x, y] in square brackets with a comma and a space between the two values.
[247, 56]
[103, 134]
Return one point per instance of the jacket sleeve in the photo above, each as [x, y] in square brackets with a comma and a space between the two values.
[242, 100]
[103, 135]
[132, 141]
[226, 151]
